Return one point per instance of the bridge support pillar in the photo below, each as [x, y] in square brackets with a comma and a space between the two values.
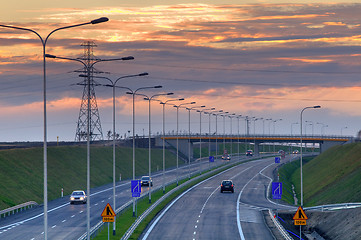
[256, 148]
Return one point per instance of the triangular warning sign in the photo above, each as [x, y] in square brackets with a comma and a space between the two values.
[300, 214]
[108, 211]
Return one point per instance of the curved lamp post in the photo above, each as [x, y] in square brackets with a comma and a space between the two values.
[43, 42]
[113, 85]
[133, 93]
[149, 99]
[216, 114]
[178, 106]
[88, 76]
[189, 137]
[200, 134]
[164, 103]
[301, 151]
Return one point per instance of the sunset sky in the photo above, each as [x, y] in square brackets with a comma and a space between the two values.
[264, 59]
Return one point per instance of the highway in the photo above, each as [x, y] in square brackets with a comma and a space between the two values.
[205, 213]
[67, 221]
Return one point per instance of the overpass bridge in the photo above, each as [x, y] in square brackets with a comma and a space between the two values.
[189, 141]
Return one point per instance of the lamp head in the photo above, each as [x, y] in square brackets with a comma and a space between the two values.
[158, 86]
[50, 56]
[100, 20]
[316, 106]
[170, 93]
[127, 58]
[143, 74]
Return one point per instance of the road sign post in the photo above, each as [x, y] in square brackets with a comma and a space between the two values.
[300, 218]
[277, 190]
[136, 188]
[108, 215]
[277, 159]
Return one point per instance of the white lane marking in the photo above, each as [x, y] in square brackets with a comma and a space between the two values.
[239, 199]
[61, 206]
[81, 211]
[180, 196]
[194, 233]
[72, 216]
[96, 204]
[63, 221]
[53, 226]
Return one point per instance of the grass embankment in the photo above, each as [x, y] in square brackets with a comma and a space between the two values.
[332, 177]
[21, 170]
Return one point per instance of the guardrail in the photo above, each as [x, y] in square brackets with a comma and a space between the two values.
[333, 207]
[17, 208]
[100, 224]
[280, 228]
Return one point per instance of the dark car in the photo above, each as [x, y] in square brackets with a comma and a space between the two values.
[249, 153]
[146, 181]
[227, 185]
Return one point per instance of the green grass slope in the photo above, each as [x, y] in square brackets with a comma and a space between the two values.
[332, 177]
[21, 170]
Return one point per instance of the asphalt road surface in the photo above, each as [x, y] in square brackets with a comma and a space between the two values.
[206, 213]
[67, 221]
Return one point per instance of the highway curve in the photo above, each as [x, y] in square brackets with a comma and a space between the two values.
[205, 213]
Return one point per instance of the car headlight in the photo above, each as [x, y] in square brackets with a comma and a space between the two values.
[81, 198]
[72, 198]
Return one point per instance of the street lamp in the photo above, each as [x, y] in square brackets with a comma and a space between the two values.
[254, 132]
[88, 75]
[178, 106]
[113, 85]
[224, 130]
[238, 117]
[216, 114]
[164, 103]
[301, 151]
[133, 93]
[149, 99]
[292, 133]
[274, 133]
[230, 117]
[200, 134]
[43, 42]
[343, 128]
[189, 138]
[322, 127]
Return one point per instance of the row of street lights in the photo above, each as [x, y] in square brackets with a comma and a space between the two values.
[44, 55]
[133, 93]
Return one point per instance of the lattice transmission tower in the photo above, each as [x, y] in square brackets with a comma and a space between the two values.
[96, 132]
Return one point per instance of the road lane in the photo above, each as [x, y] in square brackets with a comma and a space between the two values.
[205, 213]
[67, 221]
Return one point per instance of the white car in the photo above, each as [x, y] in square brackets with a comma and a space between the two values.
[78, 196]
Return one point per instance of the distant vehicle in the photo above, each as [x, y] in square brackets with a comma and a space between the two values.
[281, 151]
[295, 152]
[249, 153]
[146, 181]
[226, 157]
[227, 185]
[78, 196]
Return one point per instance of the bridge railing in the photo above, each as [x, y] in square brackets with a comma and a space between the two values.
[220, 135]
